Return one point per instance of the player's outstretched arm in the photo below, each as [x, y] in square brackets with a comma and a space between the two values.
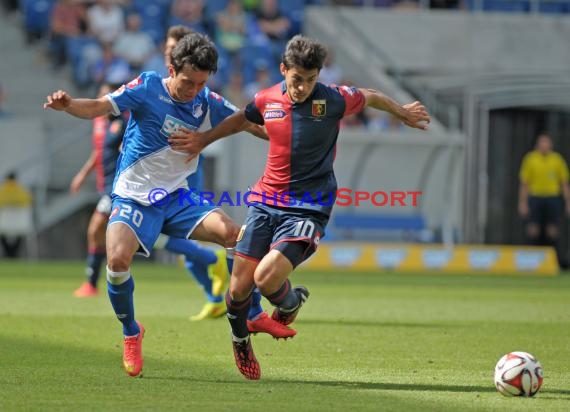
[82, 108]
[413, 114]
[194, 142]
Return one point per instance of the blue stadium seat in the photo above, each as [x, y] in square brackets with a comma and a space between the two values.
[517, 6]
[374, 221]
[154, 15]
[554, 7]
[252, 57]
[213, 7]
[37, 15]
[346, 226]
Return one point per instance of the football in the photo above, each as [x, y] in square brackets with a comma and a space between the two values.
[518, 374]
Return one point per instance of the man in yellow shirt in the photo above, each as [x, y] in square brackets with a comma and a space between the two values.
[543, 179]
[15, 215]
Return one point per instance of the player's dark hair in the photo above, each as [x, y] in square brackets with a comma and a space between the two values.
[177, 32]
[198, 51]
[305, 53]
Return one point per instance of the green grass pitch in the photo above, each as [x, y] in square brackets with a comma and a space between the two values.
[366, 342]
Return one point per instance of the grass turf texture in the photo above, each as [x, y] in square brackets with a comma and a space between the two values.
[365, 342]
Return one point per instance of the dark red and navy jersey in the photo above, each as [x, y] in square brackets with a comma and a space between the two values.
[302, 144]
[107, 138]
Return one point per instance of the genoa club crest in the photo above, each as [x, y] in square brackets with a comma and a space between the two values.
[319, 108]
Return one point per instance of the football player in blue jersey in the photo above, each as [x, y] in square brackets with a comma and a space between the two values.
[301, 118]
[212, 278]
[150, 193]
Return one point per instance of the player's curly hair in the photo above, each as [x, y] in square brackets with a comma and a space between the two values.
[304, 52]
[198, 51]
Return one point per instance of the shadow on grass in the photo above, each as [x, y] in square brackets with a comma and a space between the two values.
[353, 322]
[413, 387]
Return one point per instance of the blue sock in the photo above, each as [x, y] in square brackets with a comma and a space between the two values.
[192, 250]
[120, 286]
[255, 309]
[95, 259]
[200, 273]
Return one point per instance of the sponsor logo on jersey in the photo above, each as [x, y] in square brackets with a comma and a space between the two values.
[165, 99]
[230, 106]
[349, 90]
[197, 110]
[241, 232]
[134, 83]
[115, 211]
[274, 114]
[319, 108]
[172, 124]
[273, 105]
[216, 96]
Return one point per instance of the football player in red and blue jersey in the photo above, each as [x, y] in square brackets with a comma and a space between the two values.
[294, 197]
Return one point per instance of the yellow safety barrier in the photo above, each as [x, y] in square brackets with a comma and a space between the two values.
[459, 259]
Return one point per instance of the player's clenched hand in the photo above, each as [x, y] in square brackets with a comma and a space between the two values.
[188, 141]
[59, 100]
[415, 115]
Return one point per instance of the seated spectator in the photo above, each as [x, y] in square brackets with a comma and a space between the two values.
[331, 73]
[262, 81]
[271, 21]
[231, 27]
[155, 63]
[110, 69]
[68, 19]
[189, 13]
[233, 91]
[36, 18]
[133, 45]
[15, 215]
[106, 21]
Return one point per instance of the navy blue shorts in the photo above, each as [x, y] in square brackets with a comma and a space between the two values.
[545, 210]
[267, 227]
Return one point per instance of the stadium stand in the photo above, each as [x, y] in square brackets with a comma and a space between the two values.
[455, 59]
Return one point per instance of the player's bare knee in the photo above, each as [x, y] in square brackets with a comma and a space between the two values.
[239, 292]
[119, 262]
[265, 279]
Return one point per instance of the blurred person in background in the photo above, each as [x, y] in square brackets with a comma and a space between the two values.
[544, 194]
[15, 215]
[331, 73]
[231, 29]
[106, 21]
[107, 137]
[134, 45]
[68, 20]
